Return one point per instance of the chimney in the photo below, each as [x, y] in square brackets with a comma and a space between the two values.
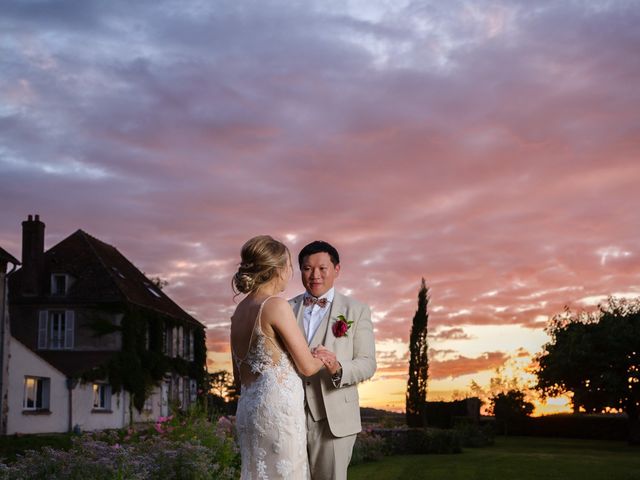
[32, 254]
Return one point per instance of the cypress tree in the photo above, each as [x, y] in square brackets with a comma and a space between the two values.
[416, 399]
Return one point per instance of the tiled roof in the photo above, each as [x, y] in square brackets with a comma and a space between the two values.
[7, 257]
[101, 275]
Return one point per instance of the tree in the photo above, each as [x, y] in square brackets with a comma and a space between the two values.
[223, 396]
[596, 358]
[509, 406]
[416, 398]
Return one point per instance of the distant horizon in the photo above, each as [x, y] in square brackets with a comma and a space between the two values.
[491, 148]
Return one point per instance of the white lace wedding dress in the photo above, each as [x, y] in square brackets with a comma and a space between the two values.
[270, 419]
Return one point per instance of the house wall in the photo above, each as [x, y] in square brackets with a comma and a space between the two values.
[88, 419]
[85, 338]
[23, 362]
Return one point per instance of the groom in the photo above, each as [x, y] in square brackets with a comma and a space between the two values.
[340, 330]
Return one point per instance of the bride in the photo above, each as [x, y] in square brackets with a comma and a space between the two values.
[269, 352]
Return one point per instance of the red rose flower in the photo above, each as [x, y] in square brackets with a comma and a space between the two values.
[341, 326]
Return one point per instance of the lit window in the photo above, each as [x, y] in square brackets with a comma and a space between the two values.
[101, 396]
[36, 393]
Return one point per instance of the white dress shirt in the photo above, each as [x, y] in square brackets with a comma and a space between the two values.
[313, 314]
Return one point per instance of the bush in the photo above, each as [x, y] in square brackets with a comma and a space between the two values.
[442, 441]
[420, 441]
[369, 447]
[568, 425]
[473, 434]
[180, 447]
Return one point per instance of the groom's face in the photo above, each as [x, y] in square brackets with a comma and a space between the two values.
[318, 273]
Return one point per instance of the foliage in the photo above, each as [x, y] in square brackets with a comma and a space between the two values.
[13, 445]
[369, 447]
[510, 406]
[420, 440]
[177, 447]
[416, 396]
[572, 425]
[473, 434]
[222, 397]
[141, 364]
[596, 358]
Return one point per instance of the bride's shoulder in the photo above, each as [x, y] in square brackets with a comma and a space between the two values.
[276, 306]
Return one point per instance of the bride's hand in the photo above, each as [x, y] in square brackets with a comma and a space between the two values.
[328, 358]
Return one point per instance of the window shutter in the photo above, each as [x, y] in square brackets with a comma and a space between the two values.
[69, 320]
[45, 393]
[42, 329]
[107, 397]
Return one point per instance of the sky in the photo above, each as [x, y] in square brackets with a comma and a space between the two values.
[490, 147]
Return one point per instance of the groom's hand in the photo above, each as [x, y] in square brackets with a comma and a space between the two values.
[328, 358]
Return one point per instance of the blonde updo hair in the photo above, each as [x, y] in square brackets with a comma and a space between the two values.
[262, 259]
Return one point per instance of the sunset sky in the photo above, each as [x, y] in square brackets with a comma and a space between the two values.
[491, 147]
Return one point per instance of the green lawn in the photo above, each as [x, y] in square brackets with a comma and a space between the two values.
[522, 458]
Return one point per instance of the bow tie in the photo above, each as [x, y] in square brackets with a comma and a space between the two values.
[321, 302]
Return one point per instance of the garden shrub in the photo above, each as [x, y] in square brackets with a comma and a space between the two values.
[176, 447]
[473, 434]
[369, 447]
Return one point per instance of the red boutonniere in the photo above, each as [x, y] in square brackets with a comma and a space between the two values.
[341, 326]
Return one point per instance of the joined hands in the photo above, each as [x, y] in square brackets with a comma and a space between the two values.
[328, 358]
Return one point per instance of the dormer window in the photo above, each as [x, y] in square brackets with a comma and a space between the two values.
[59, 284]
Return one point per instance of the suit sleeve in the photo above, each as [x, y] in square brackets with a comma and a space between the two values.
[362, 366]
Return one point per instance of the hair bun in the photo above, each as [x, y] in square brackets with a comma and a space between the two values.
[243, 281]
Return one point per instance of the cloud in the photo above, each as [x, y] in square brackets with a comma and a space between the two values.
[450, 334]
[491, 149]
[461, 365]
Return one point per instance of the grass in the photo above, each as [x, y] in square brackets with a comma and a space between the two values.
[12, 445]
[521, 458]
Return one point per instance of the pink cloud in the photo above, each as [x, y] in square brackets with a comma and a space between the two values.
[498, 164]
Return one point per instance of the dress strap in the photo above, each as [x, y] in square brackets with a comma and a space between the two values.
[255, 323]
[259, 316]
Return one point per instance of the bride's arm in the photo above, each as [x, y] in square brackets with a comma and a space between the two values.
[277, 312]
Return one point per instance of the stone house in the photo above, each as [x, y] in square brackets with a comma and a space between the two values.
[94, 343]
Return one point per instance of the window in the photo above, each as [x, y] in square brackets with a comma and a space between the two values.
[56, 329]
[59, 284]
[36, 393]
[185, 343]
[101, 396]
[180, 342]
[168, 340]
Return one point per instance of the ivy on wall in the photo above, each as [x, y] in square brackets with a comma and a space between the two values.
[138, 369]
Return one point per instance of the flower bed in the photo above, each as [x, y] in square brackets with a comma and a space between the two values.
[187, 446]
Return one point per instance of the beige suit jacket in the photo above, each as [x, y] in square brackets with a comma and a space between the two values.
[355, 352]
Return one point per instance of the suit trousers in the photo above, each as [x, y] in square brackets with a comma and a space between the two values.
[329, 456]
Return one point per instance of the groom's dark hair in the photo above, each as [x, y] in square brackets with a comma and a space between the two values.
[319, 246]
